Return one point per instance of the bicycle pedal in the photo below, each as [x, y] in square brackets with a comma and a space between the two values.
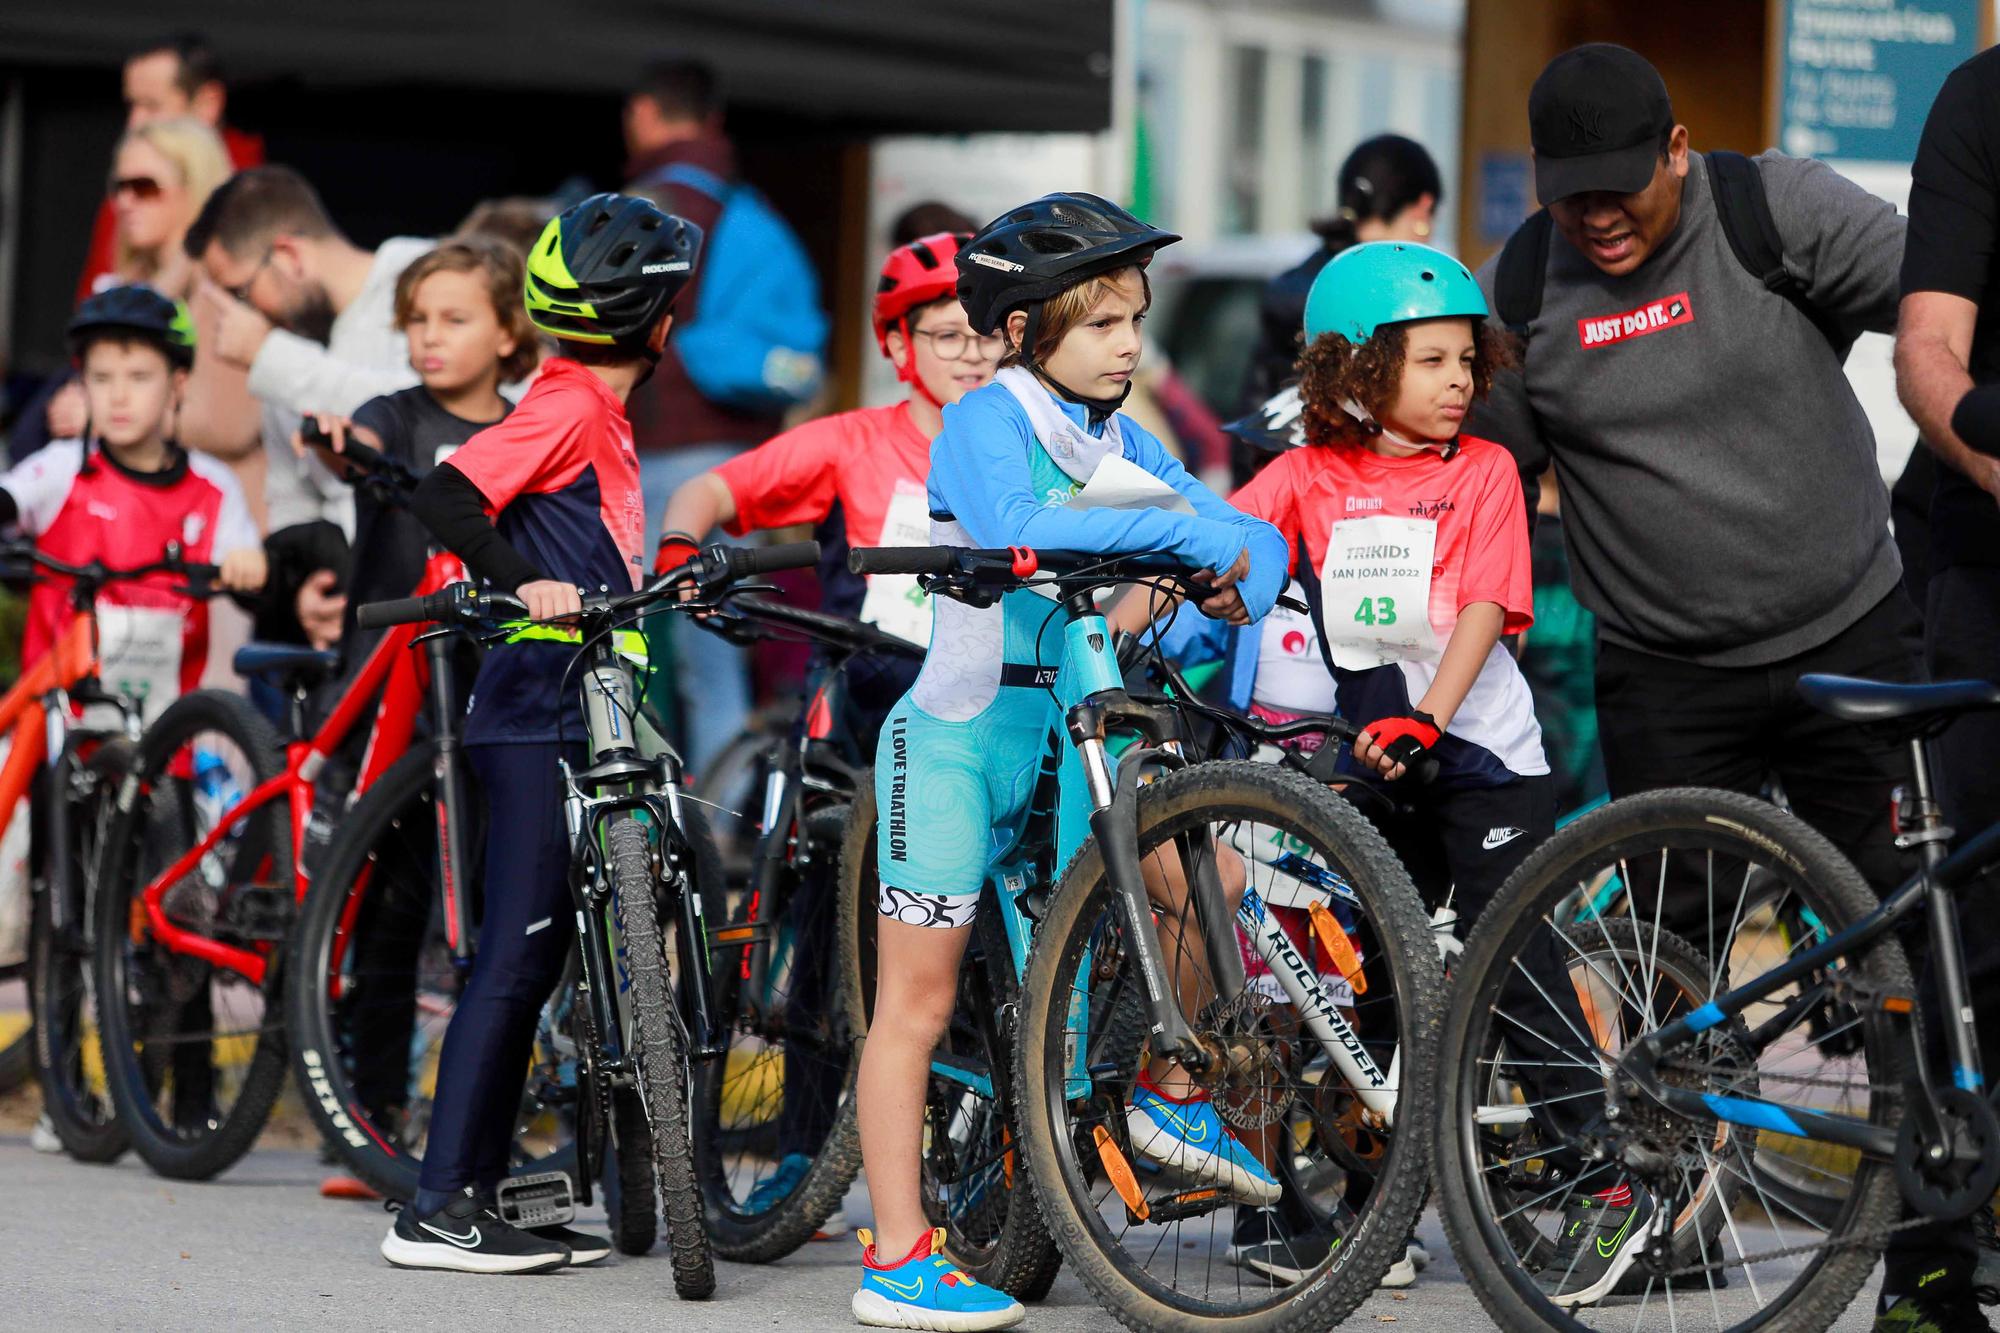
[1191, 1203]
[543, 1199]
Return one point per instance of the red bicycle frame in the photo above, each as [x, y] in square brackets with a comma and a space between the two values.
[402, 678]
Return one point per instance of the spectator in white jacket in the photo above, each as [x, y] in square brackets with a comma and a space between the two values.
[311, 316]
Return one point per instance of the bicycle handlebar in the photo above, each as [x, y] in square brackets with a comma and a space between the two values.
[1004, 568]
[713, 568]
[96, 574]
[835, 632]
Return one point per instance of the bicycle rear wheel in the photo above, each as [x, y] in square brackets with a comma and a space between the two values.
[194, 1051]
[1706, 882]
[1162, 1253]
[972, 1180]
[68, 1056]
[774, 1117]
[371, 988]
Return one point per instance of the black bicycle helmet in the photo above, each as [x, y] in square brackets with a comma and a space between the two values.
[605, 270]
[136, 309]
[1030, 253]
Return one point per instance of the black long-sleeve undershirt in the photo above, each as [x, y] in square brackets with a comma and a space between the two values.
[454, 510]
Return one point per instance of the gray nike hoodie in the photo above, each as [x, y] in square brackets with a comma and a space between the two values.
[1719, 487]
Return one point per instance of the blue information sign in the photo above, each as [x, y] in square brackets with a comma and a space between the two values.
[1859, 75]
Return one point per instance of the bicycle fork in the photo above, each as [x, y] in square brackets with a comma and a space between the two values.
[1090, 673]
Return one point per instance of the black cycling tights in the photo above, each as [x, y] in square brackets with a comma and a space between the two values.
[523, 941]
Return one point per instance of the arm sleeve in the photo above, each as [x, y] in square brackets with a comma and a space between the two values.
[459, 516]
[979, 467]
[790, 479]
[1952, 196]
[1842, 242]
[304, 376]
[40, 483]
[1498, 564]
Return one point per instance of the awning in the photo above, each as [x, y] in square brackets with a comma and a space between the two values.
[934, 65]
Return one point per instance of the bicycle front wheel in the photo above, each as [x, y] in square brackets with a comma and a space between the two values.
[660, 1053]
[69, 1058]
[371, 988]
[1641, 913]
[1329, 1088]
[194, 1049]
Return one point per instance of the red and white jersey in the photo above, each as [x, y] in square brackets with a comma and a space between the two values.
[125, 518]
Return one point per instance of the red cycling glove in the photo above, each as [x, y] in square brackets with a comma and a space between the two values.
[676, 549]
[1403, 738]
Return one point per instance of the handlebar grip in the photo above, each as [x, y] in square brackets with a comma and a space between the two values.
[902, 560]
[361, 455]
[402, 611]
[746, 560]
[310, 432]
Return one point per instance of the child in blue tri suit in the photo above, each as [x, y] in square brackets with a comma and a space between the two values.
[1062, 280]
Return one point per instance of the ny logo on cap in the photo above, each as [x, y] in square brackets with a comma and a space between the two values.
[1586, 123]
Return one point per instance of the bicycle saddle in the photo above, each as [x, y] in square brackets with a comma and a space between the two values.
[285, 661]
[1927, 707]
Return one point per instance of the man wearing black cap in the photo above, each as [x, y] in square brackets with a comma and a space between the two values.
[1724, 513]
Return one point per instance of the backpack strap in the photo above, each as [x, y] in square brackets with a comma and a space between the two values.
[1519, 276]
[699, 179]
[1744, 210]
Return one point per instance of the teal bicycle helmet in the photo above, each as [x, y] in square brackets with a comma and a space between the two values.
[1389, 282]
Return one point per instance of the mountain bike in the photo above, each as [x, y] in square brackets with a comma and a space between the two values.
[75, 717]
[201, 874]
[1029, 1096]
[1765, 956]
[385, 939]
[640, 1022]
[774, 1119]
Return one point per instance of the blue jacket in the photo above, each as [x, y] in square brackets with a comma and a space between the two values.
[981, 476]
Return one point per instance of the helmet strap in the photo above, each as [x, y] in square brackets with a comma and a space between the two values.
[1097, 410]
[907, 372]
[1447, 448]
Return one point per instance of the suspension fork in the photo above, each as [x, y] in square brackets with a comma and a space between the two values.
[449, 768]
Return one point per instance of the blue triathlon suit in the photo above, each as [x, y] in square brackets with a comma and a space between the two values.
[958, 757]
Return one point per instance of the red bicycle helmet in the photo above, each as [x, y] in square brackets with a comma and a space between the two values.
[915, 275]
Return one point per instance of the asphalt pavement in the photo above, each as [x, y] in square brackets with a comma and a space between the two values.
[118, 1247]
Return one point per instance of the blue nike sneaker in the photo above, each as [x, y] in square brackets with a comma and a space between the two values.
[923, 1290]
[1189, 1139]
[773, 1189]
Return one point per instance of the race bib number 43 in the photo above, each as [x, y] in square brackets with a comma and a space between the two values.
[1375, 592]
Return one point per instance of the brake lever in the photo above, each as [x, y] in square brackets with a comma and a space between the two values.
[1291, 603]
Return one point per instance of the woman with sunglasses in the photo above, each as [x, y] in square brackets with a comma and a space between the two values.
[161, 175]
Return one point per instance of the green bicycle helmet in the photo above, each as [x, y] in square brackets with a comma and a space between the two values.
[1389, 282]
[135, 309]
[605, 270]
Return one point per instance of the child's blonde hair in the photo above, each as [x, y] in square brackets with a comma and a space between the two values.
[1070, 307]
[195, 152]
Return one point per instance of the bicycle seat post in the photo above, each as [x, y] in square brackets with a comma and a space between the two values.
[1919, 822]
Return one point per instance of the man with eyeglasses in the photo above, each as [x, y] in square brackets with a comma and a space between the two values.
[310, 315]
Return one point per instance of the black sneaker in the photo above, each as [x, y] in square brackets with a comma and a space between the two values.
[1598, 1243]
[1986, 1238]
[583, 1248]
[1272, 1246]
[467, 1236]
[1917, 1314]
